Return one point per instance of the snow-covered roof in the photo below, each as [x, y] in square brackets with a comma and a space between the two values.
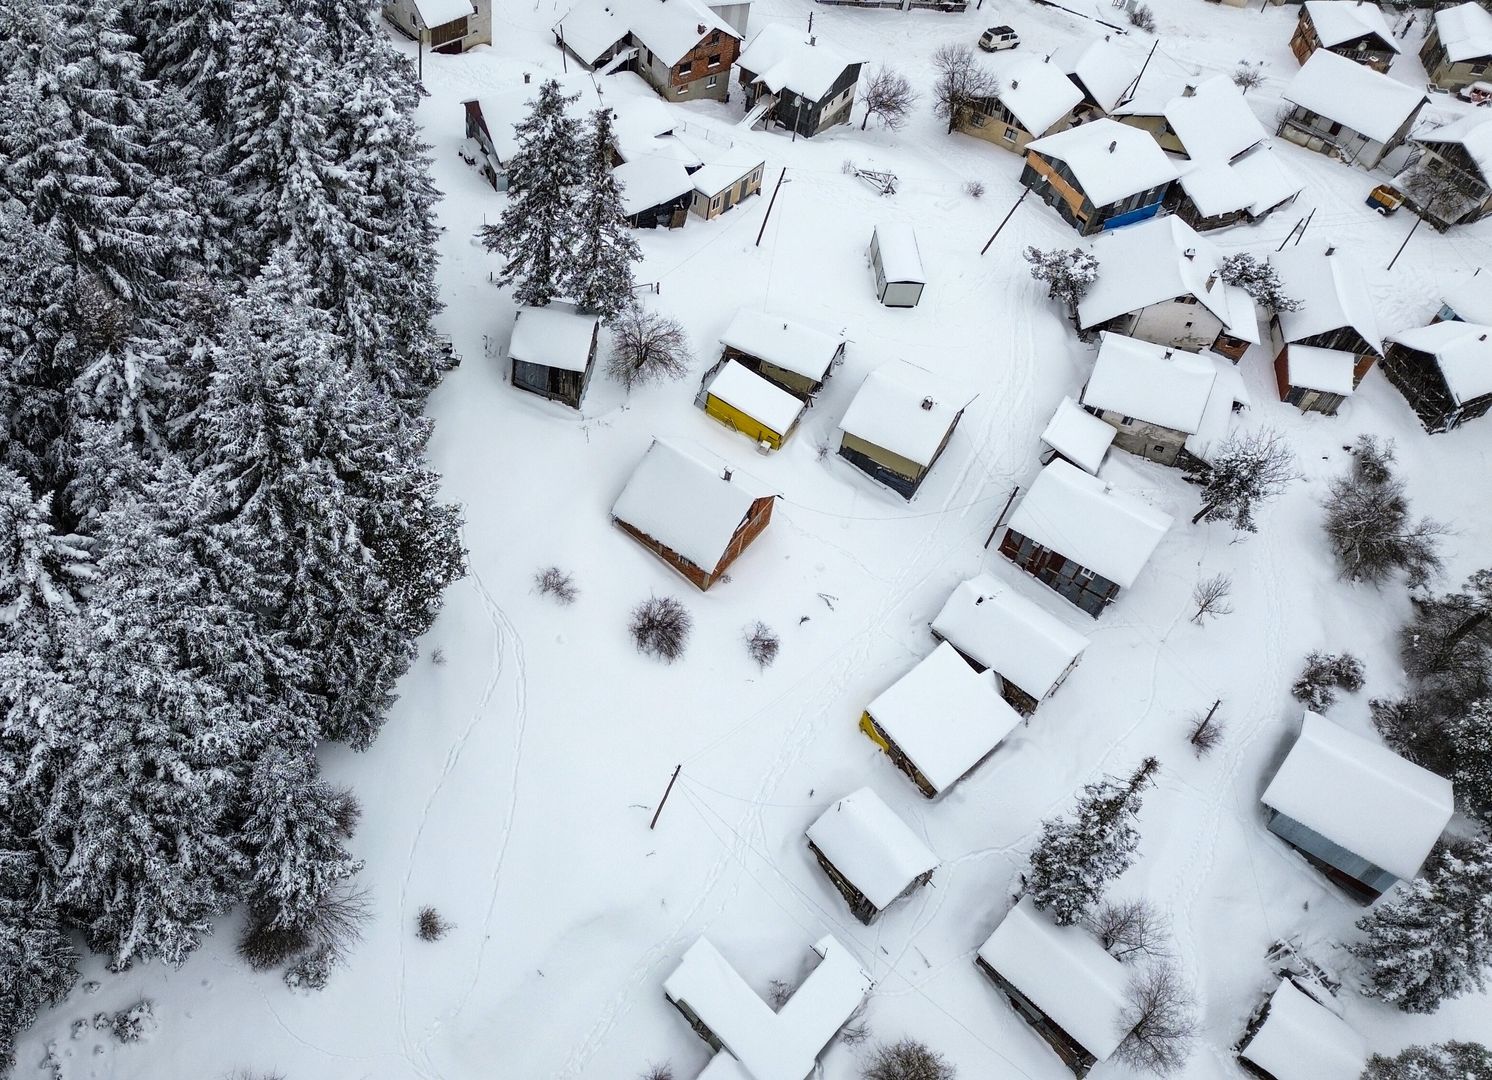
[1038, 92]
[1329, 370]
[1353, 95]
[686, 504]
[945, 716]
[1332, 292]
[1109, 531]
[1362, 796]
[888, 410]
[649, 181]
[722, 169]
[759, 398]
[1473, 132]
[724, 1067]
[1469, 296]
[1065, 973]
[1465, 31]
[780, 56]
[555, 336]
[872, 847]
[1078, 435]
[434, 13]
[1462, 351]
[901, 258]
[1217, 417]
[669, 28]
[1135, 163]
[1215, 122]
[781, 1045]
[1256, 182]
[1149, 263]
[643, 126]
[1105, 69]
[1014, 637]
[1158, 384]
[1340, 21]
[804, 350]
[1301, 1039]
[505, 108]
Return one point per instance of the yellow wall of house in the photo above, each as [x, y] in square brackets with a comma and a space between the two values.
[868, 726]
[749, 426]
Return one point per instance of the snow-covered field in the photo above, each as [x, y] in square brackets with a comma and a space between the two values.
[513, 785]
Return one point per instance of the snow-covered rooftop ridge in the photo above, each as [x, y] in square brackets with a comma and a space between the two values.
[1330, 371]
[1217, 417]
[1340, 21]
[1473, 132]
[1111, 161]
[1105, 69]
[905, 409]
[723, 168]
[1078, 435]
[901, 258]
[743, 389]
[555, 336]
[1038, 92]
[435, 13]
[781, 1045]
[793, 346]
[1111, 532]
[1332, 291]
[945, 716]
[1214, 122]
[1353, 95]
[1462, 351]
[1065, 972]
[686, 503]
[1016, 638]
[780, 56]
[1301, 1039]
[1158, 384]
[873, 848]
[1362, 796]
[1257, 182]
[669, 28]
[1465, 31]
[651, 180]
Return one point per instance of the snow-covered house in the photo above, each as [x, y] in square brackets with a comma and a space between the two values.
[1034, 98]
[756, 407]
[1444, 371]
[1458, 159]
[491, 117]
[1161, 282]
[1103, 71]
[656, 190]
[1293, 1036]
[1076, 435]
[446, 26]
[869, 854]
[899, 424]
[1466, 297]
[1351, 28]
[698, 517]
[1081, 536]
[1214, 195]
[797, 357]
[939, 721]
[1315, 380]
[1325, 347]
[553, 350]
[684, 49]
[1361, 814]
[725, 179]
[1348, 111]
[1458, 49]
[896, 261]
[795, 82]
[1099, 175]
[994, 628]
[1059, 980]
[767, 1044]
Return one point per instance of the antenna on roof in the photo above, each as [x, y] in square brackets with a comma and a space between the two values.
[927, 404]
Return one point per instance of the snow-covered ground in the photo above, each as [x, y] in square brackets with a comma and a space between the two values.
[513, 785]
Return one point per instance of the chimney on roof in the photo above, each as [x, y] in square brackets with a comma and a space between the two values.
[1211, 280]
[1188, 90]
[526, 77]
[1190, 253]
[1169, 354]
[1331, 250]
[1108, 488]
[1482, 338]
[699, 28]
[1113, 145]
[727, 474]
[1015, 84]
[927, 404]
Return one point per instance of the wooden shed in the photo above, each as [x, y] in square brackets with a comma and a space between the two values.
[724, 180]
[869, 854]
[744, 401]
[1314, 380]
[797, 357]
[1444, 371]
[1076, 435]
[896, 262]
[553, 350]
[1458, 49]
[899, 424]
[1294, 1036]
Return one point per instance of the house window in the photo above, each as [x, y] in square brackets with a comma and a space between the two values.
[1126, 420]
[1010, 134]
[683, 90]
[714, 60]
[978, 120]
[715, 38]
[1084, 574]
[715, 203]
[711, 81]
[1335, 129]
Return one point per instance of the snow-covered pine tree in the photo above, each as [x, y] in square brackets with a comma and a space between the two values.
[1433, 940]
[40, 572]
[1259, 279]
[187, 44]
[599, 275]
[1076, 857]
[1069, 273]
[536, 232]
[1438, 1061]
[38, 965]
[1246, 470]
[1468, 735]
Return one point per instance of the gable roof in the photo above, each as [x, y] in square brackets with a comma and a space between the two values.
[872, 847]
[1352, 95]
[887, 410]
[669, 28]
[1103, 69]
[1333, 293]
[1078, 435]
[1135, 163]
[650, 180]
[556, 336]
[435, 13]
[723, 168]
[759, 398]
[1472, 132]
[1214, 122]
[1301, 1039]
[792, 346]
[1038, 93]
[1462, 351]
[1465, 31]
[1158, 384]
[1362, 796]
[780, 57]
[1014, 637]
[1331, 371]
[1217, 418]
[1257, 182]
[1340, 21]
[1469, 296]
[901, 258]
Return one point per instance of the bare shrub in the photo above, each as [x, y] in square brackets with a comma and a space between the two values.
[430, 925]
[762, 644]
[1128, 928]
[554, 582]
[1323, 675]
[346, 811]
[907, 1059]
[438, 656]
[658, 1071]
[312, 971]
[335, 922]
[848, 167]
[1143, 17]
[1247, 77]
[1160, 1020]
[778, 993]
[961, 83]
[1211, 597]
[888, 95]
[856, 1030]
[262, 945]
[974, 189]
[247, 1074]
[660, 628]
[647, 347]
[1207, 732]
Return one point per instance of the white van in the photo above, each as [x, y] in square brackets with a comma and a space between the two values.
[997, 38]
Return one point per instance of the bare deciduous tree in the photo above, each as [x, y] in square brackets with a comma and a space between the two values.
[762, 644]
[1211, 597]
[1160, 1019]
[961, 82]
[1128, 928]
[1369, 524]
[647, 346]
[1247, 77]
[1440, 193]
[554, 582]
[431, 925]
[907, 1059]
[888, 95]
[660, 627]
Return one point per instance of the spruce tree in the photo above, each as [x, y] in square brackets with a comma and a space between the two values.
[600, 276]
[188, 44]
[38, 965]
[1439, 1061]
[41, 573]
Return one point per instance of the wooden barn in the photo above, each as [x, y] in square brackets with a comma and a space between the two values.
[1350, 28]
[1076, 435]
[443, 26]
[744, 401]
[696, 517]
[1361, 814]
[1444, 371]
[899, 424]
[1081, 536]
[869, 854]
[1458, 49]
[793, 82]
[553, 350]
[797, 357]
[1346, 111]
[1034, 99]
[1334, 329]
[1458, 160]
[1100, 175]
[1314, 380]
[896, 262]
[1059, 980]
[1293, 1036]
[939, 721]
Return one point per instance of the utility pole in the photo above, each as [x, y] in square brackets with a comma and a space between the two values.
[1001, 517]
[663, 800]
[420, 38]
[810, 22]
[1405, 244]
[1007, 217]
[770, 204]
[1288, 235]
[1304, 226]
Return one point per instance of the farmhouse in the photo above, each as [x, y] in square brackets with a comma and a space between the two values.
[797, 357]
[768, 1044]
[939, 721]
[896, 262]
[1458, 49]
[1081, 536]
[1348, 111]
[1105, 73]
[696, 517]
[553, 350]
[899, 424]
[1034, 99]
[1349, 28]
[1444, 371]
[446, 26]
[1059, 980]
[1076, 435]
[1099, 175]
[1335, 317]
[796, 83]
[994, 628]
[1358, 812]
[869, 853]
[682, 48]
[1457, 159]
[726, 178]
[744, 401]
[1295, 1037]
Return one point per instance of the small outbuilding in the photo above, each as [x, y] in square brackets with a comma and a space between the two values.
[1314, 380]
[1444, 371]
[725, 180]
[939, 721]
[797, 83]
[1350, 28]
[697, 516]
[899, 424]
[553, 350]
[1347, 111]
[869, 853]
[1458, 49]
[1153, 397]
[797, 357]
[1361, 814]
[896, 262]
[445, 26]
[1100, 175]
[1293, 1036]
[1076, 435]
[744, 401]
